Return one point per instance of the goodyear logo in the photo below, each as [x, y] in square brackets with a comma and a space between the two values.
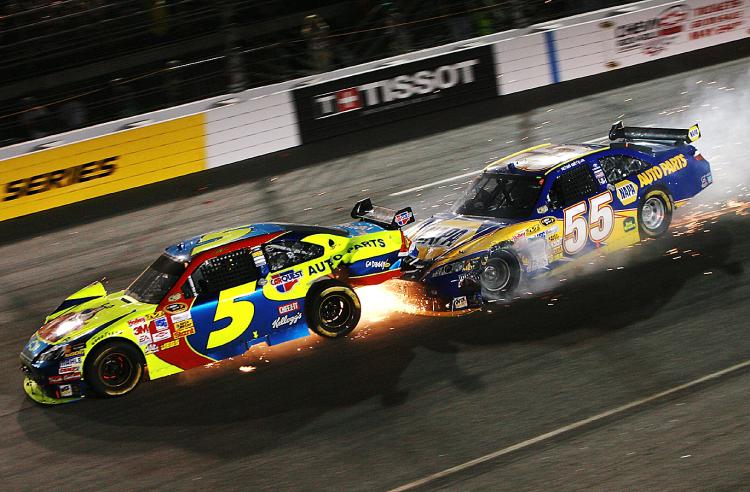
[627, 192]
[59, 178]
[664, 169]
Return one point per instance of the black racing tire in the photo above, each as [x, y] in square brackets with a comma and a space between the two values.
[333, 309]
[113, 368]
[654, 214]
[501, 275]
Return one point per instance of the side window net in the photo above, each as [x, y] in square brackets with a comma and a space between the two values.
[284, 254]
[224, 272]
[573, 186]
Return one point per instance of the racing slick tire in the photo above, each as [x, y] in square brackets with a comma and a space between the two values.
[333, 309]
[654, 213]
[113, 368]
[501, 275]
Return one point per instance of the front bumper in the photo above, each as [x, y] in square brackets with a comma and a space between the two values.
[41, 395]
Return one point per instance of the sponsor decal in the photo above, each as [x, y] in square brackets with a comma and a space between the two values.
[393, 92]
[629, 224]
[144, 338]
[70, 364]
[533, 229]
[570, 165]
[370, 243]
[176, 318]
[288, 308]
[66, 390]
[136, 322]
[403, 218]
[161, 335]
[73, 376]
[460, 302]
[383, 265]
[284, 281]
[381, 92]
[175, 308]
[627, 192]
[184, 325]
[175, 297]
[547, 221]
[184, 333]
[161, 324]
[169, 345]
[151, 348]
[320, 267]
[666, 168]
[706, 180]
[70, 353]
[286, 320]
[153, 315]
[713, 19]
[652, 36]
[443, 238]
[55, 379]
[59, 178]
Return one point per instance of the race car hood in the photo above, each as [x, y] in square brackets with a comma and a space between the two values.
[84, 320]
[440, 235]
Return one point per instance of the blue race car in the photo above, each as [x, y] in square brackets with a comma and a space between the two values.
[541, 208]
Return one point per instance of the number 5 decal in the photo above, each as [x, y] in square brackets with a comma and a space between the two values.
[598, 228]
[240, 313]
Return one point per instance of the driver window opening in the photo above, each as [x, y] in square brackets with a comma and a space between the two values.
[285, 254]
[224, 272]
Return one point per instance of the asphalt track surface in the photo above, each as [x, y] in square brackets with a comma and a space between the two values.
[408, 396]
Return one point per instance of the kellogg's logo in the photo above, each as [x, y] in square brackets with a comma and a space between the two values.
[284, 281]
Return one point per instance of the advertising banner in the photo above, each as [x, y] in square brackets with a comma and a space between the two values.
[71, 173]
[395, 92]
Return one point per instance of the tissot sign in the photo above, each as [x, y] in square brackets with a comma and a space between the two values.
[395, 92]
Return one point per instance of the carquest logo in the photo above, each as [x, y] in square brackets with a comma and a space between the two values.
[286, 280]
[373, 94]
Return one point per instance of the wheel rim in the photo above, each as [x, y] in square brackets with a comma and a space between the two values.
[335, 311]
[496, 275]
[115, 370]
[653, 213]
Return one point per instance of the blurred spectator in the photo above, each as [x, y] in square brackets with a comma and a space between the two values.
[72, 114]
[173, 82]
[315, 31]
[123, 99]
[159, 13]
[34, 119]
[459, 22]
[397, 33]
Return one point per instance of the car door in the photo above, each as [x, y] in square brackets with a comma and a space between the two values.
[583, 205]
[227, 299]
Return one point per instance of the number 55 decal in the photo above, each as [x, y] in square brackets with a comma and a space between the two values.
[599, 226]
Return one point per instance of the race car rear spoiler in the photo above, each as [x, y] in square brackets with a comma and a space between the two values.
[679, 136]
[384, 217]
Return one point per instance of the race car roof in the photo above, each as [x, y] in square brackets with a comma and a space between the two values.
[185, 250]
[543, 157]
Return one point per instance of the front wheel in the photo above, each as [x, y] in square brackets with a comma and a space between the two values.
[333, 309]
[113, 369]
[654, 214]
[500, 276]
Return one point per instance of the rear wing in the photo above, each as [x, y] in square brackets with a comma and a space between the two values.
[675, 135]
[384, 217]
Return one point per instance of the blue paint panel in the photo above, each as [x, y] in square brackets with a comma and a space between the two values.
[549, 37]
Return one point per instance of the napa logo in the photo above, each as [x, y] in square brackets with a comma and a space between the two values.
[284, 281]
[627, 192]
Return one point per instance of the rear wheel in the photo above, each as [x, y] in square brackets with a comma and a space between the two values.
[113, 369]
[333, 309]
[654, 214]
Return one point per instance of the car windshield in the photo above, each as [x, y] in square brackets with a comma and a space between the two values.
[156, 280]
[500, 195]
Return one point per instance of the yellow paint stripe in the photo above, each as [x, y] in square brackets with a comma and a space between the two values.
[495, 163]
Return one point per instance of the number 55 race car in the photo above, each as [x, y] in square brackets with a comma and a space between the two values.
[212, 297]
[536, 210]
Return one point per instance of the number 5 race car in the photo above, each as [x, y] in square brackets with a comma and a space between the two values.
[536, 210]
[212, 297]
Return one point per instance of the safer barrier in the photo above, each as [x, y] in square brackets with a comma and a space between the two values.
[109, 158]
